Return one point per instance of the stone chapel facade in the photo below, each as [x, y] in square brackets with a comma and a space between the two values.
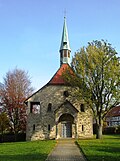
[52, 112]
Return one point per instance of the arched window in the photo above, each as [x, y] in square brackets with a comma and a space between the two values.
[49, 107]
[82, 108]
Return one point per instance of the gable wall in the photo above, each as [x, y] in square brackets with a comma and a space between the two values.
[54, 94]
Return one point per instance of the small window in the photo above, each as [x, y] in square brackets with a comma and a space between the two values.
[82, 128]
[49, 107]
[48, 127]
[68, 54]
[61, 55]
[35, 107]
[64, 43]
[34, 127]
[65, 53]
[66, 93]
[82, 108]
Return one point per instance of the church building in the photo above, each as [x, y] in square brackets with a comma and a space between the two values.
[52, 112]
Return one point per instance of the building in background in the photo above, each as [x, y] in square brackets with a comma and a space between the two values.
[113, 117]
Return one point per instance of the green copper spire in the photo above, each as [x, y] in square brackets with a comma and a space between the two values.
[65, 47]
[65, 41]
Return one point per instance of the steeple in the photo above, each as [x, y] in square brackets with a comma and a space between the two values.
[65, 47]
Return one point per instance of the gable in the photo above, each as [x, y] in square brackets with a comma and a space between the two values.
[66, 107]
[57, 79]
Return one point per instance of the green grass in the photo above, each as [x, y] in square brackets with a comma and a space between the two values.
[106, 149]
[26, 151]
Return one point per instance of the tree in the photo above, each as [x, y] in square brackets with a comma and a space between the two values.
[16, 88]
[4, 123]
[1, 87]
[97, 78]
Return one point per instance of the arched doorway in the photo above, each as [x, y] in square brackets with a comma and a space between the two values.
[66, 121]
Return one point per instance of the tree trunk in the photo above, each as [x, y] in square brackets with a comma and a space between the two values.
[15, 136]
[15, 132]
[99, 131]
[99, 123]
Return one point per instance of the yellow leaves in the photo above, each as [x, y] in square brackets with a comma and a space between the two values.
[96, 65]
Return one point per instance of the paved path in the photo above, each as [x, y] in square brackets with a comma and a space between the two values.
[66, 150]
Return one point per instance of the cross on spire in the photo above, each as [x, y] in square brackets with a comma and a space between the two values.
[65, 13]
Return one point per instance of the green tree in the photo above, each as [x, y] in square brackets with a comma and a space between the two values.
[4, 123]
[16, 88]
[97, 78]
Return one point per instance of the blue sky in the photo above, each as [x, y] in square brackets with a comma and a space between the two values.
[31, 31]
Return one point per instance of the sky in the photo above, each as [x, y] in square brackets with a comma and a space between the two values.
[31, 32]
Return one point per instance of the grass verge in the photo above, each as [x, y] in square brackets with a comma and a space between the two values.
[26, 151]
[106, 149]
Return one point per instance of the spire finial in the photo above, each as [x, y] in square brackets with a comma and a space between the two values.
[65, 13]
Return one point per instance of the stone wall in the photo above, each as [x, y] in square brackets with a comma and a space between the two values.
[37, 124]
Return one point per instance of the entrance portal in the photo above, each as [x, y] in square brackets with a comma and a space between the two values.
[66, 121]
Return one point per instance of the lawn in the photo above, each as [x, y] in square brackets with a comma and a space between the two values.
[106, 149]
[26, 151]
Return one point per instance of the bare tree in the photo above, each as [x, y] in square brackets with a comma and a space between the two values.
[16, 88]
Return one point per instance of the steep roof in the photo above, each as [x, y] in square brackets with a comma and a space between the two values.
[115, 111]
[57, 79]
[65, 41]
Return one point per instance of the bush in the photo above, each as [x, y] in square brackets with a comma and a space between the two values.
[111, 130]
[10, 137]
[118, 129]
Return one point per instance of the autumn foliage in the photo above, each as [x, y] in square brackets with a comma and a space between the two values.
[16, 88]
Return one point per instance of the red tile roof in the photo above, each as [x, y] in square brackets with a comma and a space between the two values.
[57, 78]
[115, 111]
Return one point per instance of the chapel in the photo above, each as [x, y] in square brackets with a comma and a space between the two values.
[52, 111]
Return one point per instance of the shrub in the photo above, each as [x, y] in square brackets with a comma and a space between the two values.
[109, 130]
[10, 137]
[118, 129]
